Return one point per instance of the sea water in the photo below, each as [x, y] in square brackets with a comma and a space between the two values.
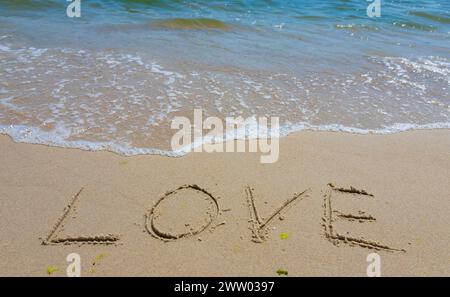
[116, 77]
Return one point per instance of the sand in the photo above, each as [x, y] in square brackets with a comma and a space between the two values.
[221, 214]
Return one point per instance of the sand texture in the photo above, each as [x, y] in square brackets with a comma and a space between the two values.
[329, 201]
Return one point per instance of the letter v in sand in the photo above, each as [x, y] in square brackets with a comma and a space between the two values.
[259, 227]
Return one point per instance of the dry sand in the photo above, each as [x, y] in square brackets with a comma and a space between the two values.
[402, 209]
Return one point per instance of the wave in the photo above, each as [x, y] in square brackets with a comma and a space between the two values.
[311, 17]
[433, 17]
[414, 25]
[59, 137]
[118, 101]
[170, 24]
[31, 4]
[192, 24]
[357, 27]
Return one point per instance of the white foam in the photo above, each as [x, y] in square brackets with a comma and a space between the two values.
[58, 137]
[133, 104]
[391, 129]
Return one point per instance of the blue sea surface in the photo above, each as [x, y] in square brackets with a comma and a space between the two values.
[115, 77]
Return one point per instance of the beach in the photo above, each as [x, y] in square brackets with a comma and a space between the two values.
[389, 194]
[224, 138]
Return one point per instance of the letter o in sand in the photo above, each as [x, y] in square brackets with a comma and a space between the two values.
[184, 212]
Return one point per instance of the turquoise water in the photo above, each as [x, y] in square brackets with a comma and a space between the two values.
[115, 77]
[328, 31]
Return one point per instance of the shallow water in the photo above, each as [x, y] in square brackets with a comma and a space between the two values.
[116, 77]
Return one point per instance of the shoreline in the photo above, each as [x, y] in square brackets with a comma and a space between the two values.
[141, 151]
[390, 193]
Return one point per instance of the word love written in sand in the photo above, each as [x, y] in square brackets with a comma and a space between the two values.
[187, 201]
